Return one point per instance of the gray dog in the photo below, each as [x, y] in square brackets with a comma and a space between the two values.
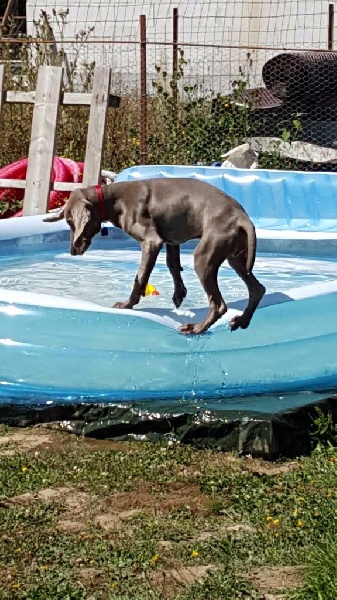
[171, 212]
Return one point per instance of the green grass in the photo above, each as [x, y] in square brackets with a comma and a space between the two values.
[321, 579]
[148, 521]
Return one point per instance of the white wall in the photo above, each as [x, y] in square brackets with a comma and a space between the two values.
[273, 23]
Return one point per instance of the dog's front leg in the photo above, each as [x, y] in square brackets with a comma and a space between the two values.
[150, 251]
[174, 266]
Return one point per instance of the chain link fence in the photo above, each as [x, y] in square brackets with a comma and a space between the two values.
[195, 79]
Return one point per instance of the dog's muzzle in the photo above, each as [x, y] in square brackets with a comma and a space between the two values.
[80, 246]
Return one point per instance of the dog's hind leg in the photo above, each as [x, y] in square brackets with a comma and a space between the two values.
[150, 250]
[175, 268]
[255, 290]
[207, 261]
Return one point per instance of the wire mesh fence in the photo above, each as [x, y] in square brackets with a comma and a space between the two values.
[195, 82]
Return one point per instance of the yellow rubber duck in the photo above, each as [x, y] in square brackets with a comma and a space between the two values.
[150, 290]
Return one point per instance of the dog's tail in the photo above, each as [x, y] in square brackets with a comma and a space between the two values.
[249, 228]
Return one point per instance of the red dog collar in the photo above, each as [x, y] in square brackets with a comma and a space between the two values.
[101, 202]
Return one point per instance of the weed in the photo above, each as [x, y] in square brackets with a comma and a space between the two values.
[324, 430]
[320, 582]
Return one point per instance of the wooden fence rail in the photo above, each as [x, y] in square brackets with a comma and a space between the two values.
[47, 100]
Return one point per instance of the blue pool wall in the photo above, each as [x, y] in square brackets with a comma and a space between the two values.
[301, 201]
[294, 212]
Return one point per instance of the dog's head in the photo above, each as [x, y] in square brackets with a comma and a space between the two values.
[82, 214]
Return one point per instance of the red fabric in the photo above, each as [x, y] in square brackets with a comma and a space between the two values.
[64, 169]
[101, 203]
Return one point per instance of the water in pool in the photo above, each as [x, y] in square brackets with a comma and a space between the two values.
[106, 275]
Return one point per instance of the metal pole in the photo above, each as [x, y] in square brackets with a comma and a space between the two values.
[143, 92]
[7, 14]
[331, 25]
[175, 57]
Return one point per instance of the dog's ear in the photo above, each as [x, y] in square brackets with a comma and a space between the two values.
[81, 215]
[55, 217]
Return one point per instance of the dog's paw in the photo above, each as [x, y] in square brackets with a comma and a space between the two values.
[179, 295]
[192, 328]
[238, 323]
[122, 305]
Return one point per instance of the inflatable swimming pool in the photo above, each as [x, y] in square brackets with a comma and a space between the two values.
[55, 348]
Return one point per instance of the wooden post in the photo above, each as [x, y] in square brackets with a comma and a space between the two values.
[43, 139]
[97, 124]
[2, 87]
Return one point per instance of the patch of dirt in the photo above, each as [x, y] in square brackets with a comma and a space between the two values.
[75, 502]
[236, 464]
[89, 574]
[44, 437]
[70, 526]
[171, 581]
[27, 440]
[254, 465]
[239, 528]
[8, 577]
[269, 579]
[119, 509]
[156, 498]
[71, 498]
[203, 536]
[166, 544]
[111, 522]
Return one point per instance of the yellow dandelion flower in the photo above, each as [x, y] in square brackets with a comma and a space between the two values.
[295, 513]
[269, 518]
[195, 553]
[316, 514]
[15, 586]
[43, 568]
[276, 534]
[24, 469]
[113, 585]
[299, 523]
[300, 499]
[17, 550]
[155, 558]
[276, 521]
